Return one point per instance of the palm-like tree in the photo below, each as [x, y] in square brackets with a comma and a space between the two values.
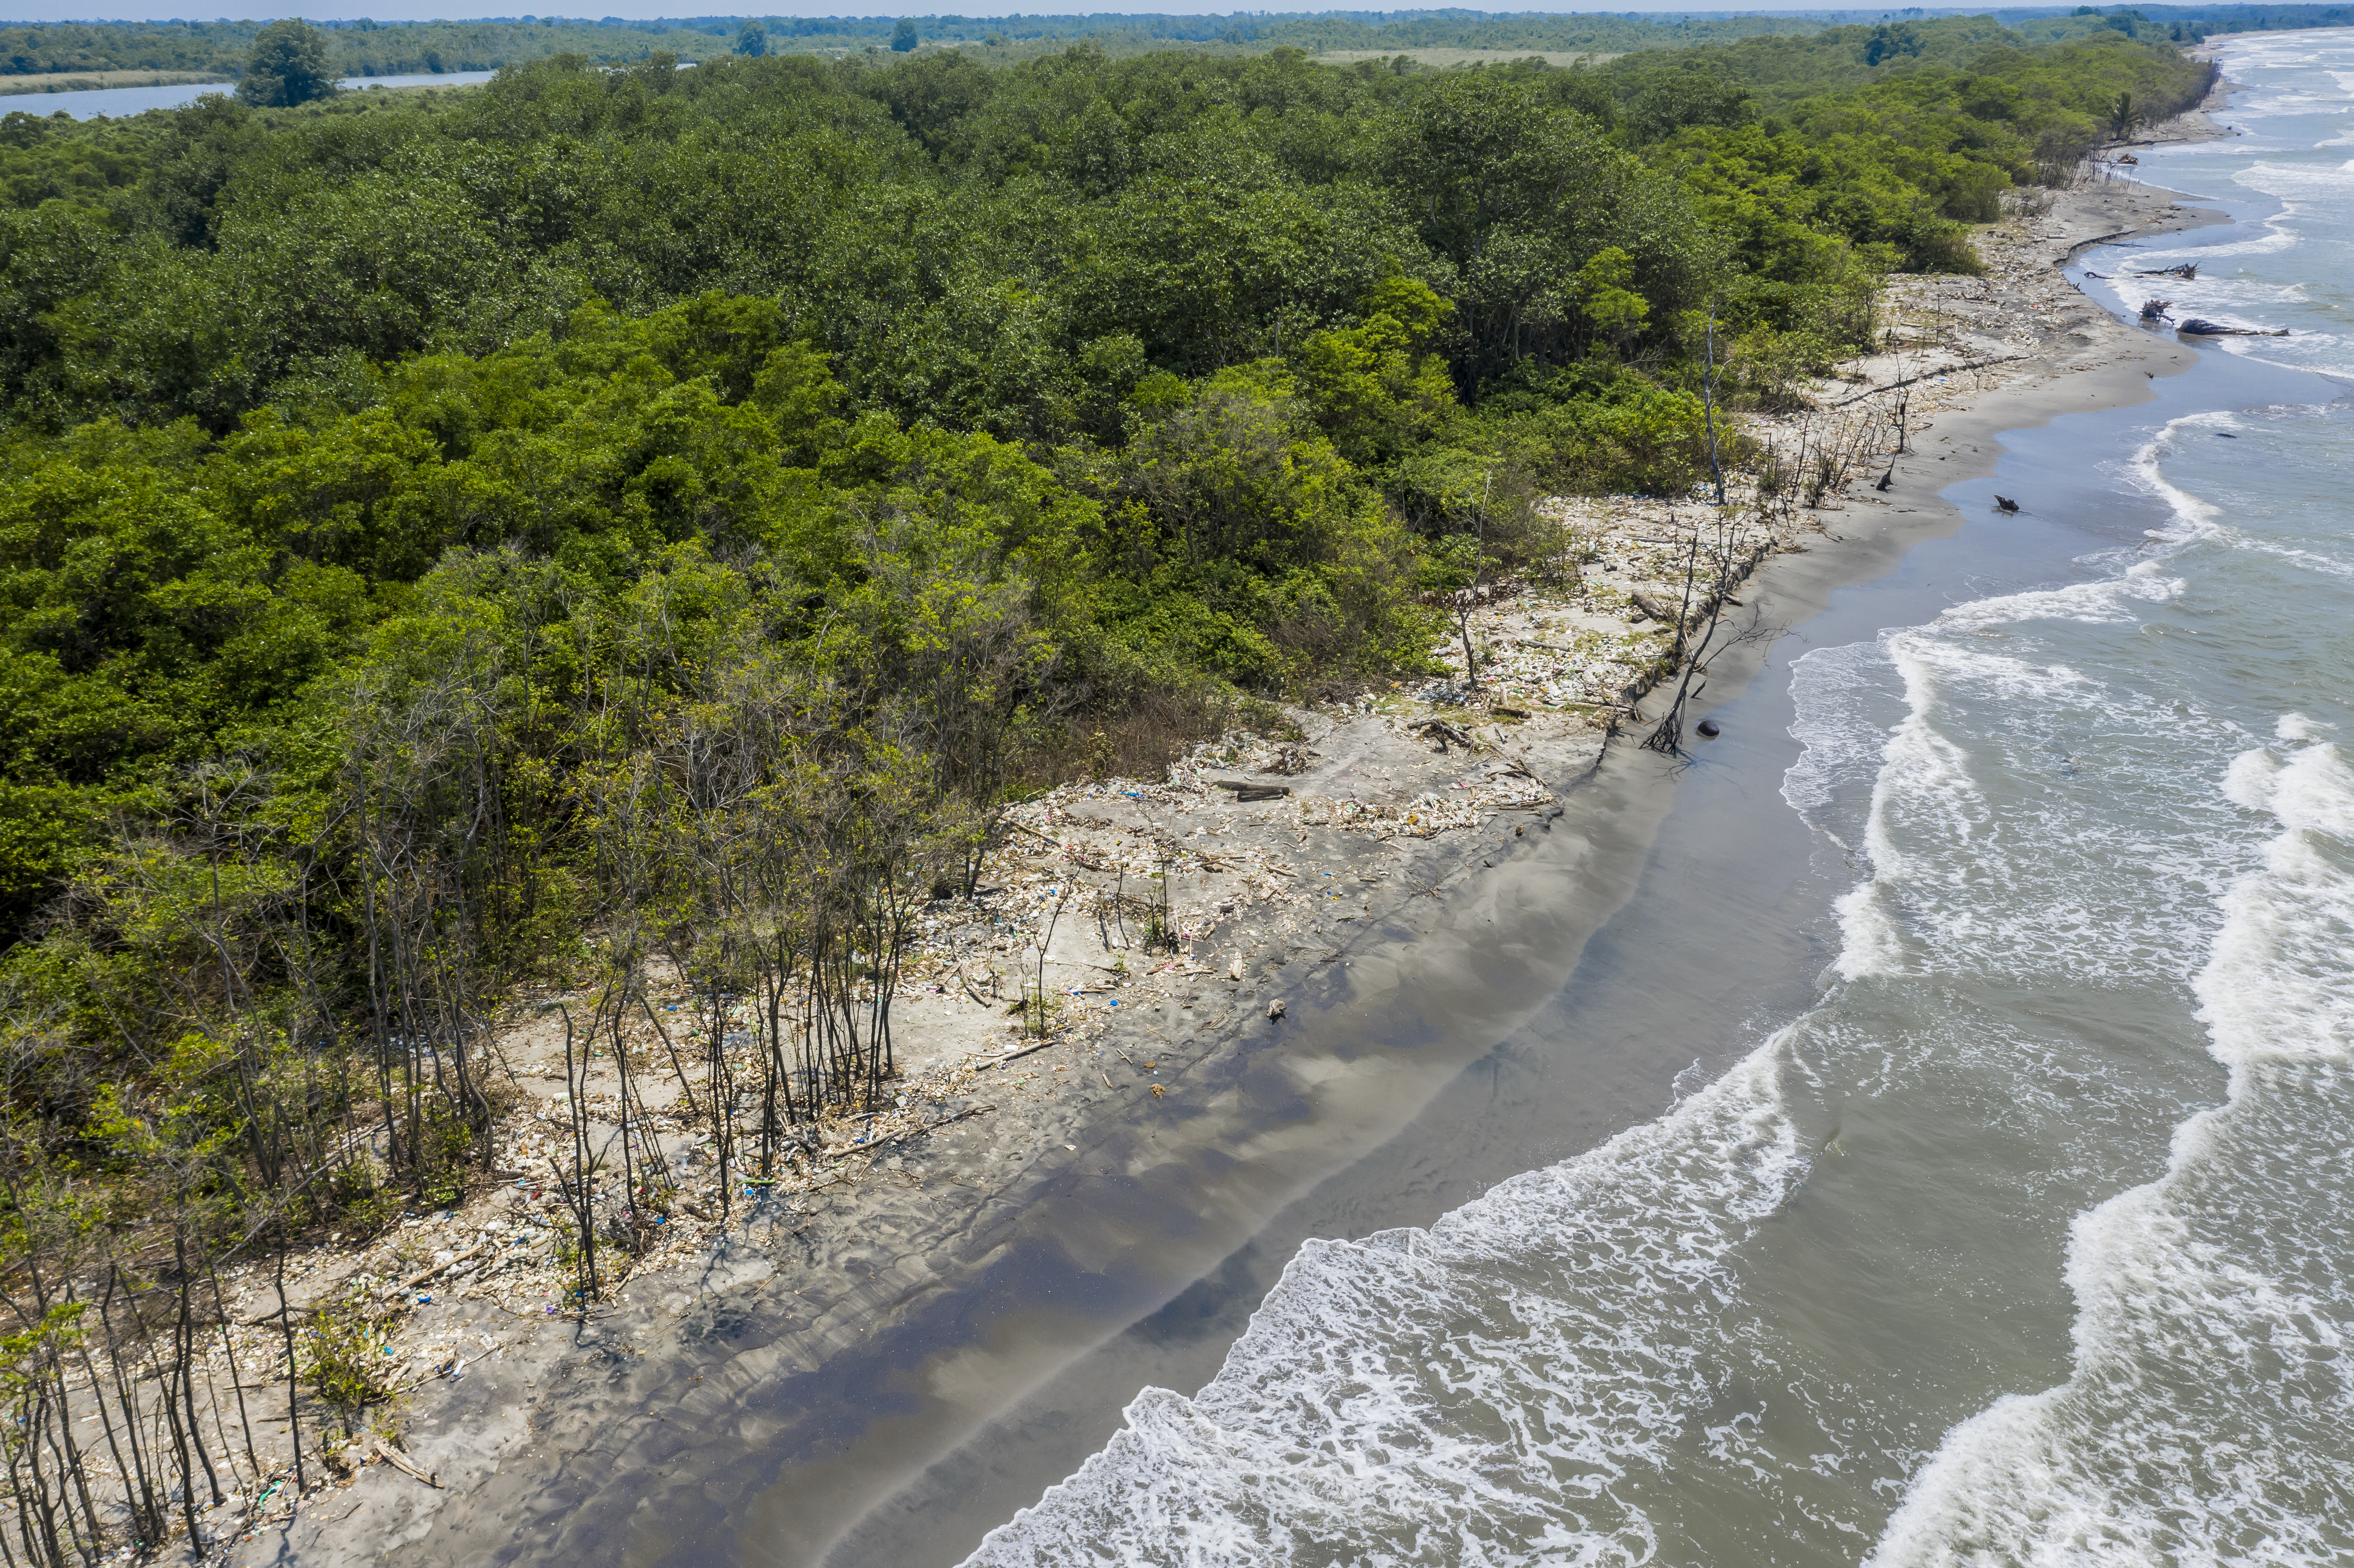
[2123, 115]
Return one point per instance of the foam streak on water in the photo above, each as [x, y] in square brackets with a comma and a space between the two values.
[1470, 1393]
[2207, 1416]
[2031, 1241]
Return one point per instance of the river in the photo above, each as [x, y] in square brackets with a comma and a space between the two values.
[126, 100]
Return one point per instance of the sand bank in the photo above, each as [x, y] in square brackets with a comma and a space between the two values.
[101, 80]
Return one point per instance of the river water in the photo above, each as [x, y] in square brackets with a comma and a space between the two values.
[125, 101]
[2026, 1232]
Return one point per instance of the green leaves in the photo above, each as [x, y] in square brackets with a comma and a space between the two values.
[288, 65]
[1372, 393]
[1617, 310]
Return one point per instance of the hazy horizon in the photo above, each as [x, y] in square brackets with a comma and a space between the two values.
[375, 10]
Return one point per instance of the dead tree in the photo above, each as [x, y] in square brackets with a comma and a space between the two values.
[1468, 597]
[1666, 737]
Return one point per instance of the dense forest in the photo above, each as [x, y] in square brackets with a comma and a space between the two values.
[498, 536]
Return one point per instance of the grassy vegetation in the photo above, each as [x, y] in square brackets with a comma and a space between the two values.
[646, 512]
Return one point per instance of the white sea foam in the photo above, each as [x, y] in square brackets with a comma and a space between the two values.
[2197, 518]
[2323, 353]
[2191, 514]
[1842, 718]
[1479, 1392]
[2311, 560]
[2102, 896]
[2104, 599]
[2250, 778]
[2278, 235]
[2292, 181]
[1872, 938]
[2297, 727]
[2203, 1418]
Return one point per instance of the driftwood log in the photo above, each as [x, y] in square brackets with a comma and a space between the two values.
[1653, 609]
[1444, 733]
[2195, 327]
[402, 1462]
[1244, 789]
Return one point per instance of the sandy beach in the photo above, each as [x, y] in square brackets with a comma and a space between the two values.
[1344, 949]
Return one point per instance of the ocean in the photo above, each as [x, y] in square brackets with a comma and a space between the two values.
[2026, 1235]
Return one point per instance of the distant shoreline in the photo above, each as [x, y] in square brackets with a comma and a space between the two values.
[101, 80]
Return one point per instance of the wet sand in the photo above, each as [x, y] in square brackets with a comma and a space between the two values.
[882, 1380]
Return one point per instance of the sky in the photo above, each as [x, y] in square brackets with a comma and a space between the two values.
[435, 10]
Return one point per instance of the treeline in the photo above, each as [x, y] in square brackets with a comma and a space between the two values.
[354, 48]
[372, 48]
[621, 519]
[1538, 33]
[364, 49]
[1771, 157]
[1003, 253]
[2176, 24]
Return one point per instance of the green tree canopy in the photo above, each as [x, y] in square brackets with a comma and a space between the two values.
[288, 66]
